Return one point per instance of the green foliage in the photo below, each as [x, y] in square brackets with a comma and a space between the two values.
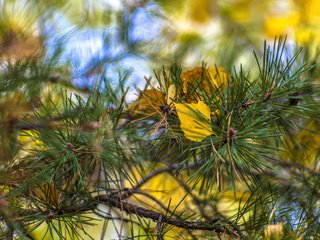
[66, 151]
[220, 151]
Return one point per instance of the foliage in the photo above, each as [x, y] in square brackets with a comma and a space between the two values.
[222, 151]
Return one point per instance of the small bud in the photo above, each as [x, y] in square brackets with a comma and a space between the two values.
[50, 215]
[70, 146]
[273, 232]
[294, 100]
[246, 104]
[232, 134]
[267, 96]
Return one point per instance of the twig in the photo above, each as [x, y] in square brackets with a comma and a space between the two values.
[159, 227]
[295, 165]
[67, 83]
[219, 225]
[215, 224]
[171, 168]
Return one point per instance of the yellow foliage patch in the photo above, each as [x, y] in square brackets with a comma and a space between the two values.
[151, 102]
[172, 91]
[273, 232]
[49, 194]
[148, 102]
[96, 229]
[229, 203]
[195, 120]
[209, 79]
[304, 148]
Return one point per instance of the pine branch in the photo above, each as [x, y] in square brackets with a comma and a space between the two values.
[293, 166]
[58, 79]
[171, 168]
[219, 224]
[215, 224]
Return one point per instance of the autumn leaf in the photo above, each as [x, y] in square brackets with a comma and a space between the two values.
[304, 147]
[151, 102]
[167, 190]
[195, 120]
[172, 91]
[148, 102]
[273, 232]
[230, 202]
[281, 24]
[13, 46]
[96, 229]
[48, 193]
[209, 79]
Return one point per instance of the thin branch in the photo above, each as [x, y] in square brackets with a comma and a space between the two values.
[171, 168]
[292, 165]
[218, 225]
[159, 227]
[67, 83]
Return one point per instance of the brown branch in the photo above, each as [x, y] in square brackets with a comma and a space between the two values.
[159, 227]
[292, 165]
[218, 225]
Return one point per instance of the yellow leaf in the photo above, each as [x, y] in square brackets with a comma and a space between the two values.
[304, 148]
[171, 93]
[195, 120]
[49, 194]
[273, 232]
[201, 11]
[219, 76]
[148, 102]
[167, 190]
[281, 24]
[229, 203]
[210, 79]
[97, 229]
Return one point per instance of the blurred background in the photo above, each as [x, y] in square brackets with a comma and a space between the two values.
[111, 36]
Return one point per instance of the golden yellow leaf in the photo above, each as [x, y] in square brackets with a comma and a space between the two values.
[151, 102]
[167, 190]
[309, 11]
[210, 79]
[304, 148]
[48, 193]
[278, 25]
[201, 11]
[195, 120]
[148, 102]
[230, 201]
[219, 76]
[273, 232]
[96, 229]
[13, 46]
[171, 93]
